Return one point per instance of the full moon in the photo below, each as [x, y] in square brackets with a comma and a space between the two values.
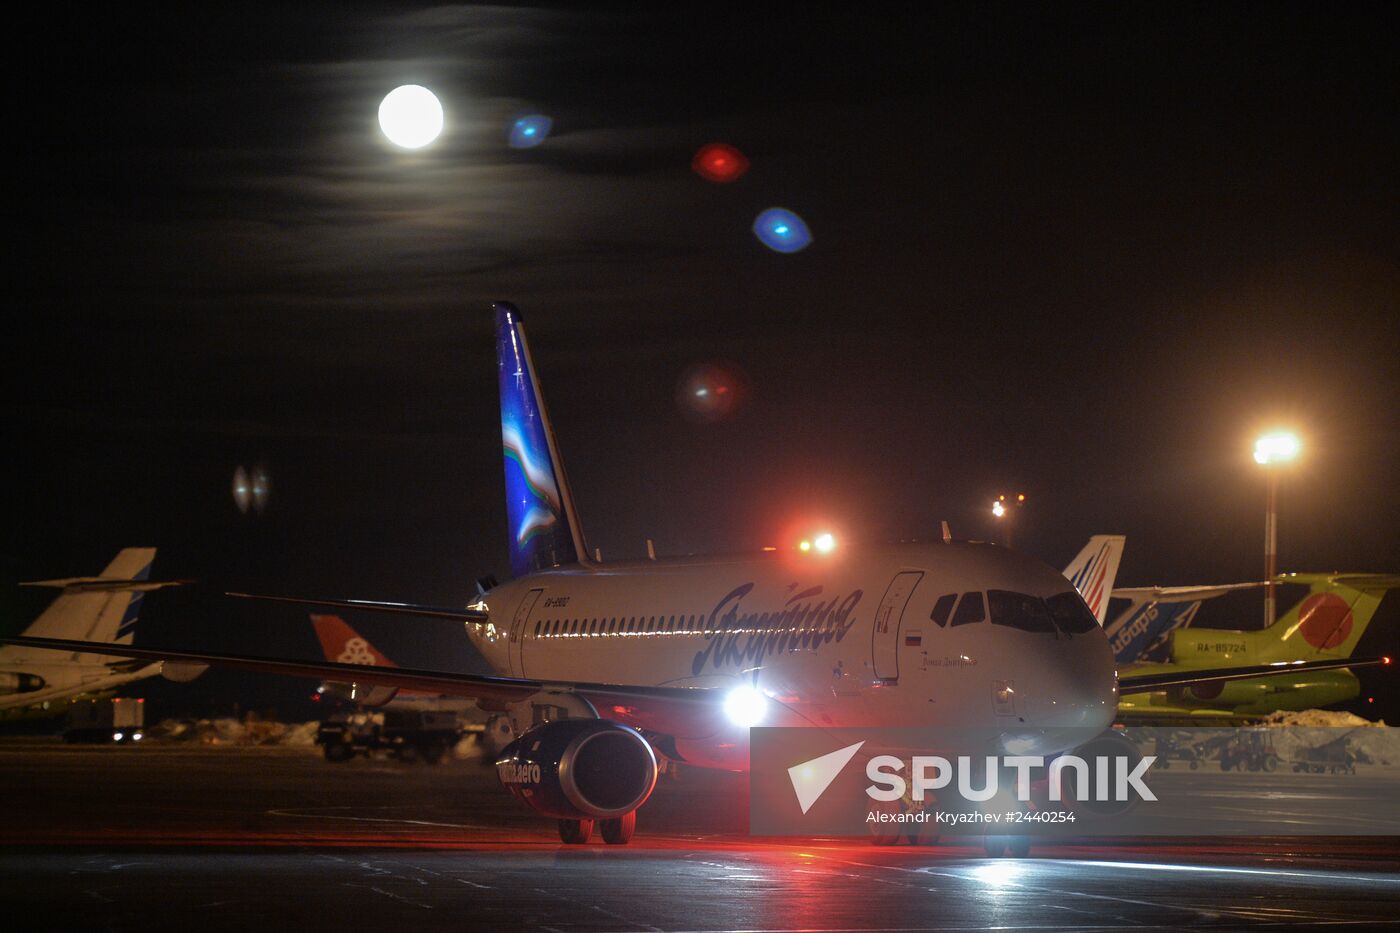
[410, 116]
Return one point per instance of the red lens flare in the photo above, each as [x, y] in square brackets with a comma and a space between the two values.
[719, 162]
[711, 391]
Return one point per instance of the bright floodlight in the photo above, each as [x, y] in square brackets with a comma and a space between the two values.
[998, 509]
[1274, 448]
[824, 542]
[745, 706]
[410, 116]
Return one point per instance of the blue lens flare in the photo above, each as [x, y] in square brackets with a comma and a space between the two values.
[781, 230]
[528, 132]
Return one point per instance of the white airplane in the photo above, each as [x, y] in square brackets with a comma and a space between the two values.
[608, 665]
[104, 608]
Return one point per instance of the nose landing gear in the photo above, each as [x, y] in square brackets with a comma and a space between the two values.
[616, 832]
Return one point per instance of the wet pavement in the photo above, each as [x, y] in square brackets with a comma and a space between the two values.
[223, 838]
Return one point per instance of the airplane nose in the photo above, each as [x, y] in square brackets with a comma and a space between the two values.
[1073, 685]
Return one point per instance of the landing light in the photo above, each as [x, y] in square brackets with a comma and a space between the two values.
[825, 542]
[745, 706]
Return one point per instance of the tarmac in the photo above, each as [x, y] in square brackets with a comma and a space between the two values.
[225, 837]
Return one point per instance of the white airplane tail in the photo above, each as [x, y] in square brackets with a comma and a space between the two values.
[102, 608]
[1093, 571]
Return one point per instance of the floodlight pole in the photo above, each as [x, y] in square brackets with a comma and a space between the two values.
[1270, 540]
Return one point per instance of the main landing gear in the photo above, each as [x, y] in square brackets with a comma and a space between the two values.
[615, 832]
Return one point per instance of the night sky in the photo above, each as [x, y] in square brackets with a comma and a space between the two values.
[1081, 252]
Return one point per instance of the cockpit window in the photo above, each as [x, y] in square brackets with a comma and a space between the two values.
[970, 610]
[1070, 613]
[1018, 610]
[943, 608]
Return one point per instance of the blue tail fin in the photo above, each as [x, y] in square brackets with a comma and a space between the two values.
[544, 529]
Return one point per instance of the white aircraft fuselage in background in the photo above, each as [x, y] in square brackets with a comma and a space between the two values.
[104, 609]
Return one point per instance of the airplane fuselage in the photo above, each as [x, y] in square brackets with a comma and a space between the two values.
[836, 640]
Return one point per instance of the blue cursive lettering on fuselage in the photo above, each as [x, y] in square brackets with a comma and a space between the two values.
[803, 622]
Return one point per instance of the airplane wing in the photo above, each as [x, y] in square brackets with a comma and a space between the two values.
[467, 614]
[1147, 683]
[684, 712]
[1179, 594]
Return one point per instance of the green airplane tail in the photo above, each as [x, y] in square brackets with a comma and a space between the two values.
[1328, 622]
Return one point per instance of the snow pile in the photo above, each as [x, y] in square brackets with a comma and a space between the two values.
[1333, 737]
[300, 734]
[227, 731]
[1319, 719]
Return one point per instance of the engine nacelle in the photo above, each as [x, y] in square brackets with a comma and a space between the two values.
[574, 769]
[182, 672]
[20, 683]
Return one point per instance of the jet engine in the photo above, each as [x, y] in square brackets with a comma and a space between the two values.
[575, 769]
[20, 683]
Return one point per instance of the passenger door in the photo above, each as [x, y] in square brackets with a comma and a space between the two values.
[888, 617]
[517, 632]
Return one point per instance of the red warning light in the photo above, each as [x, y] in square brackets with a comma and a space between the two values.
[719, 162]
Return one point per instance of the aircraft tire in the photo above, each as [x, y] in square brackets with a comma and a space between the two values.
[994, 846]
[432, 754]
[619, 831]
[1019, 846]
[575, 832]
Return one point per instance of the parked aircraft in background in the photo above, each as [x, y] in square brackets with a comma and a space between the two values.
[105, 608]
[1327, 624]
[610, 665]
[341, 643]
[1154, 612]
[1094, 571]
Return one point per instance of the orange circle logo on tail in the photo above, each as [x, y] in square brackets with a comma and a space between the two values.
[1325, 620]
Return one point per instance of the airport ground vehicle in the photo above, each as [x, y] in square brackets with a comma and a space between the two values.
[403, 734]
[1178, 748]
[1334, 757]
[114, 719]
[1250, 750]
